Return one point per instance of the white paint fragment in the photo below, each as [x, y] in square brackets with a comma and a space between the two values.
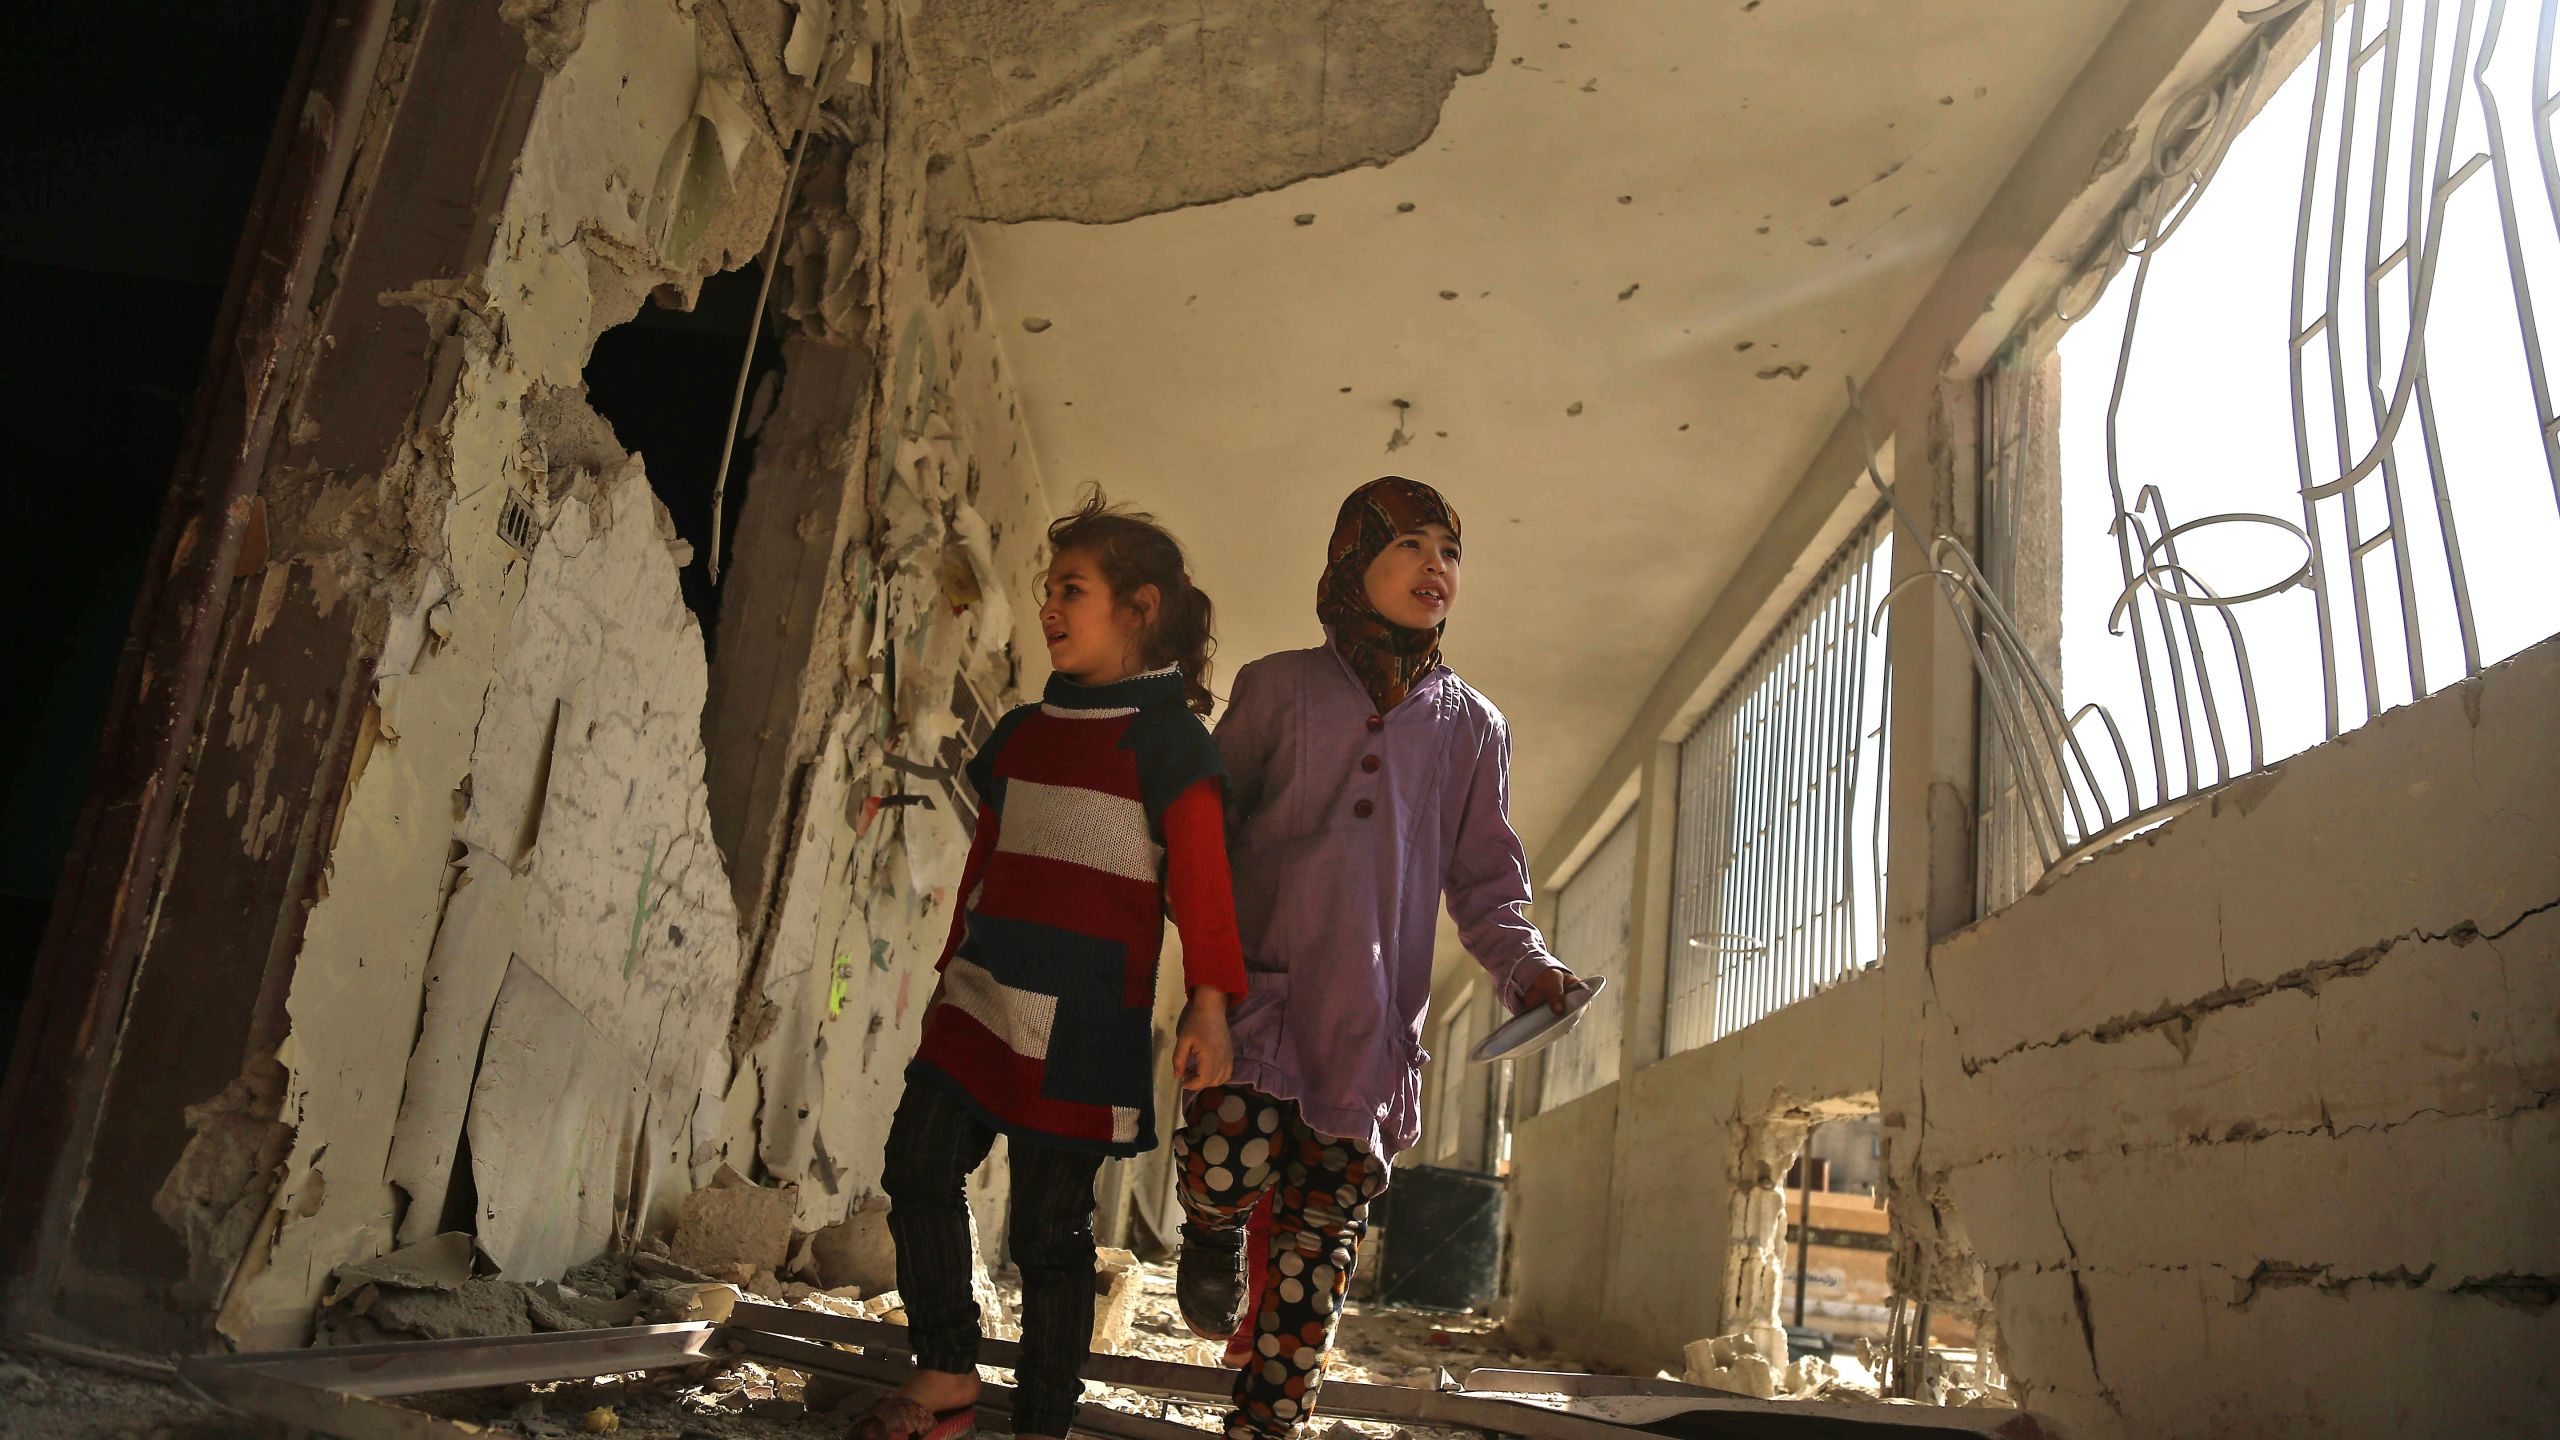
[806, 48]
[463, 974]
[995, 608]
[556, 1115]
[716, 103]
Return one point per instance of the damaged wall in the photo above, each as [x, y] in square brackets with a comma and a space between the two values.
[2250, 1120]
[550, 919]
[525, 939]
[525, 1003]
[1676, 1157]
[947, 546]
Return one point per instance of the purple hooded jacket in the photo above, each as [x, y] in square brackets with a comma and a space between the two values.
[1351, 827]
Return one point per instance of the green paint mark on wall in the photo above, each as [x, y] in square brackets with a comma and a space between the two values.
[642, 907]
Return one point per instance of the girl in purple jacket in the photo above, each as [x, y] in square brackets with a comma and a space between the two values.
[1367, 782]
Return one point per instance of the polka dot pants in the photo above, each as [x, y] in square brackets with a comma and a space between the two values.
[1234, 1145]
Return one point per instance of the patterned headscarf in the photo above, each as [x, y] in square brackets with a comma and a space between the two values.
[1386, 656]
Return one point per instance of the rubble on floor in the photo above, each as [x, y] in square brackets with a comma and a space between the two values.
[44, 1397]
[1738, 1364]
[429, 1291]
[733, 1222]
[1376, 1344]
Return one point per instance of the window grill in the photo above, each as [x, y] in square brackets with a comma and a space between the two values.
[2313, 471]
[1778, 867]
[1594, 914]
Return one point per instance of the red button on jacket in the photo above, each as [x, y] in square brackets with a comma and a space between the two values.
[1364, 809]
[1377, 723]
[1369, 763]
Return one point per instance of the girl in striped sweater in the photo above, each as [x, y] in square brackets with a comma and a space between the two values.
[1099, 805]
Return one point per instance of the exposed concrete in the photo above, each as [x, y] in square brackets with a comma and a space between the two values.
[2309, 1033]
[1637, 1212]
[1106, 112]
[215, 1196]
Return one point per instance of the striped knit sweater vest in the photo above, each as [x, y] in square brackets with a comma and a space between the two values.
[1043, 1022]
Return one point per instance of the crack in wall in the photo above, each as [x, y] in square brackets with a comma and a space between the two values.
[2328, 1279]
[2080, 1300]
[2532, 1293]
[2246, 1132]
[2178, 1020]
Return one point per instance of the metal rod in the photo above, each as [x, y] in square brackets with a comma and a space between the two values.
[1804, 1221]
[764, 286]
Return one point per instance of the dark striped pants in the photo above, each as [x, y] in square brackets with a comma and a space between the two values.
[1234, 1145]
[934, 1142]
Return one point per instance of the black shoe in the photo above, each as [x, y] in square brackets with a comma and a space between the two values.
[1209, 1281]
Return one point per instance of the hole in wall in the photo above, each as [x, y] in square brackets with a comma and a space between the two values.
[1813, 1273]
[1842, 1256]
[664, 381]
[1831, 1263]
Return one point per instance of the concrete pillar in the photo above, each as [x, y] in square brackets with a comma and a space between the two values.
[1647, 972]
[1929, 889]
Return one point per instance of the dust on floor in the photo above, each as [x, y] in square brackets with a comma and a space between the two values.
[45, 1398]
[1376, 1344]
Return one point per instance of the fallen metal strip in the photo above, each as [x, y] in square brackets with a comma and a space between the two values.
[814, 1358]
[1487, 1381]
[1739, 1417]
[417, 1367]
[254, 1391]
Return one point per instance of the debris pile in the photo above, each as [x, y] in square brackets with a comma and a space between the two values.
[1737, 1363]
[733, 1240]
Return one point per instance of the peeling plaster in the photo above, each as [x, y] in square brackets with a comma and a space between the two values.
[527, 933]
[954, 529]
[551, 704]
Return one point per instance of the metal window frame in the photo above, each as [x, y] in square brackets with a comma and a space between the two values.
[1587, 1058]
[1745, 794]
[2066, 788]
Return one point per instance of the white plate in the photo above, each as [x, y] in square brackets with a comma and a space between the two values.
[1531, 1029]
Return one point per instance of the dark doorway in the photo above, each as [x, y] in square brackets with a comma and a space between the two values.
[664, 382]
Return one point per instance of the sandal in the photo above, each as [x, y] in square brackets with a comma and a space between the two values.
[898, 1418]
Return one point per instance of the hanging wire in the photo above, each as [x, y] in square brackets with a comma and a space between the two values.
[764, 285]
